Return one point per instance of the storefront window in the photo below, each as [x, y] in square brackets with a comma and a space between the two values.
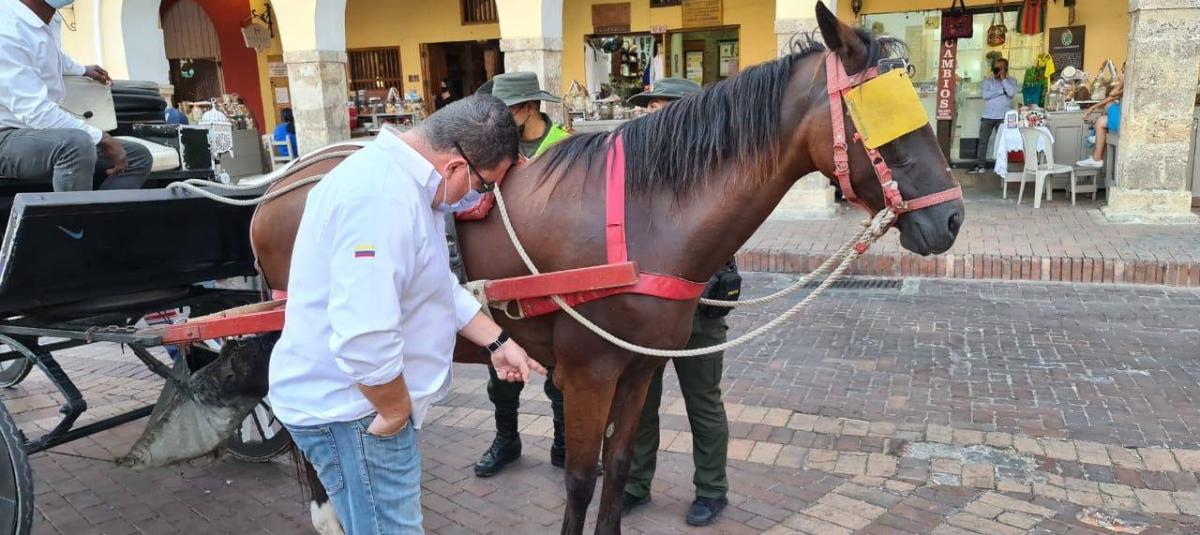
[616, 64]
[703, 56]
[921, 30]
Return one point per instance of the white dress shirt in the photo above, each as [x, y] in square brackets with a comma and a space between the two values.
[32, 65]
[370, 294]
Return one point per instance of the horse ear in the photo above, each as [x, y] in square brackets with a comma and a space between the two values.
[841, 39]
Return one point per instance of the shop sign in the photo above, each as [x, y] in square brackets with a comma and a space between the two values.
[946, 81]
[610, 18]
[277, 69]
[702, 13]
[658, 29]
[1066, 47]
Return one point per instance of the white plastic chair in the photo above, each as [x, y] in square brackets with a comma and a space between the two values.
[272, 147]
[1040, 168]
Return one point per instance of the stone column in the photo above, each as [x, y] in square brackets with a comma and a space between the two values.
[317, 82]
[811, 197]
[540, 55]
[1152, 173]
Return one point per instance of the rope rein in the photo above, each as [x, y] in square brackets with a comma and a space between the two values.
[204, 187]
[872, 231]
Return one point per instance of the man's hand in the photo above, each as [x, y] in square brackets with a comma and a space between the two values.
[383, 426]
[393, 405]
[112, 149]
[98, 74]
[513, 364]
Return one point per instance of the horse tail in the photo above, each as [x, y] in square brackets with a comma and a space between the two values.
[324, 520]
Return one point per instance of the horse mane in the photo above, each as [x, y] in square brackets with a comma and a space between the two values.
[734, 121]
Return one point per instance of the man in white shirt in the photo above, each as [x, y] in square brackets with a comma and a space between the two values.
[373, 309]
[38, 139]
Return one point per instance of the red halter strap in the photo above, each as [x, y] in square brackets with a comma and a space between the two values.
[837, 82]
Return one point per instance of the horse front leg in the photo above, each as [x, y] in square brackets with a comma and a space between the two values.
[622, 427]
[587, 397]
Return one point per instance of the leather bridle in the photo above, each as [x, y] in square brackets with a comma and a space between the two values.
[837, 84]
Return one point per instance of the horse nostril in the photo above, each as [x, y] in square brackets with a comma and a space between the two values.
[956, 221]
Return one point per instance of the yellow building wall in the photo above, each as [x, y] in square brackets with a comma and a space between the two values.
[407, 24]
[1107, 23]
[264, 80]
[755, 19]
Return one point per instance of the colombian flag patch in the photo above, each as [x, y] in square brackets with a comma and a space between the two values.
[364, 251]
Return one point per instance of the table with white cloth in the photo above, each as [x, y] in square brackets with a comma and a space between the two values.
[1009, 139]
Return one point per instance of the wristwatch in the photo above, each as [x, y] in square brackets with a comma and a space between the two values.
[500, 340]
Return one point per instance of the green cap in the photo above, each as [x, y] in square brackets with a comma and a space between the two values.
[485, 89]
[517, 87]
[666, 89]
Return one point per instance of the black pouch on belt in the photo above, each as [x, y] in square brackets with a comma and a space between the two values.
[726, 285]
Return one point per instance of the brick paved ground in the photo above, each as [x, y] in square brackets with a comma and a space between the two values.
[940, 407]
[1001, 240]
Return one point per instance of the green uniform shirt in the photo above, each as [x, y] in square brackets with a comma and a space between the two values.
[554, 134]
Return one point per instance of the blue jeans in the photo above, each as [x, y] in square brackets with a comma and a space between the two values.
[373, 482]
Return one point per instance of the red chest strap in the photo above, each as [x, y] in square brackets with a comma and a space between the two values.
[614, 212]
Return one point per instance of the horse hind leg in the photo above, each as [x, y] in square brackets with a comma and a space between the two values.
[587, 400]
[623, 419]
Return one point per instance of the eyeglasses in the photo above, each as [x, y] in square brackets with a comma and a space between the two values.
[484, 185]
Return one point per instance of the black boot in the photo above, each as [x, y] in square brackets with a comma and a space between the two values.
[558, 450]
[505, 449]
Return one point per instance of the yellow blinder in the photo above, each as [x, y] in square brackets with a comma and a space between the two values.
[885, 108]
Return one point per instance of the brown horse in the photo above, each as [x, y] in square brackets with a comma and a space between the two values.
[702, 175]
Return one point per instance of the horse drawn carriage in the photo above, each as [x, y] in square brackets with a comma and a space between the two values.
[103, 267]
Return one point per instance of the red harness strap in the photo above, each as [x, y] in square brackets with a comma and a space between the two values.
[651, 284]
[837, 82]
[614, 198]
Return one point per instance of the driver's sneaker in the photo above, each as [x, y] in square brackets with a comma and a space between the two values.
[1090, 162]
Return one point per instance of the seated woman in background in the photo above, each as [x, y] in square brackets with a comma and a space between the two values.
[1109, 121]
[286, 131]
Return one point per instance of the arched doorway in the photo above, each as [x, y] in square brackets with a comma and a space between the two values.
[193, 51]
[207, 54]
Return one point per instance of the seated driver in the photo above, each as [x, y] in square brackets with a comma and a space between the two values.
[38, 139]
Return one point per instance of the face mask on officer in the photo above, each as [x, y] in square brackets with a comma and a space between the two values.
[521, 115]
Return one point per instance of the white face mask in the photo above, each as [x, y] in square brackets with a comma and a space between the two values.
[468, 201]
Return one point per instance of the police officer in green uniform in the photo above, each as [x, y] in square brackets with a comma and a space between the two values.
[699, 379]
[522, 94]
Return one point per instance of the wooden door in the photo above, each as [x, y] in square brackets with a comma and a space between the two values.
[433, 70]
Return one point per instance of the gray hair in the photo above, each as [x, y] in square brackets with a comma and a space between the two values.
[480, 124]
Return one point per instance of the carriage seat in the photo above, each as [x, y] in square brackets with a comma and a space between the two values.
[165, 158]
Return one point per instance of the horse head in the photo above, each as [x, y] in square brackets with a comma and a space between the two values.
[918, 169]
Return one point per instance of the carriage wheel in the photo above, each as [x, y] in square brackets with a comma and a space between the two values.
[16, 479]
[261, 437]
[12, 372]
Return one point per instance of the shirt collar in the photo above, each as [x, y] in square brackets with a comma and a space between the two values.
[26, 15]
[419, 168]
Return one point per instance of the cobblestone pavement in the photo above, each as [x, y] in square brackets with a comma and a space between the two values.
[935, 407]
[1024, 243]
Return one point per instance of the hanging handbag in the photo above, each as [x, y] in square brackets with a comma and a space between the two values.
[956, 22]
[997, 32]
[1031, 17]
